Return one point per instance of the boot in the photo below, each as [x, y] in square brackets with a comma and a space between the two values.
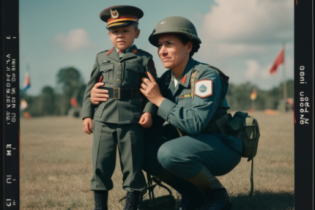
[216, 199]
[191, 196]
[100, 200]
[216, 196]
[191, 201]
[132, 200]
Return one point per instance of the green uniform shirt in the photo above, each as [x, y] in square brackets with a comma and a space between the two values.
[125, 72]
[193, 114]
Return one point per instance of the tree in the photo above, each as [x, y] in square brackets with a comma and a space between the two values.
[47, 101]
[71, 82]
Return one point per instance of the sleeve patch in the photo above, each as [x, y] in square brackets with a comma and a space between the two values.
[204, 88]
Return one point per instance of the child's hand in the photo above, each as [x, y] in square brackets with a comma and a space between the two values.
[88, 125]
[146, 120]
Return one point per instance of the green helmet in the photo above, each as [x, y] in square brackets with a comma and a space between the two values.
[174, 24]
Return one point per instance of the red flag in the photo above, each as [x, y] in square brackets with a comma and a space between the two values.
[279, 60]
[73, 102]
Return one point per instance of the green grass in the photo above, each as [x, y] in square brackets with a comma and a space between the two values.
[56, 167]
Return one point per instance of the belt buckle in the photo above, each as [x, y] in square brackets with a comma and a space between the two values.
[118, 92]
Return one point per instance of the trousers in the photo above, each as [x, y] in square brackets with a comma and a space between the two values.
[129, 138]
[185, 156]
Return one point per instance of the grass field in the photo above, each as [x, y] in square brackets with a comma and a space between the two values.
[56, 167]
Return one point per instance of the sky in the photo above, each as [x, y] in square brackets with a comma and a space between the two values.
[242, 38]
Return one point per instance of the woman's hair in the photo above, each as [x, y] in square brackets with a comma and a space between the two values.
[185, 39]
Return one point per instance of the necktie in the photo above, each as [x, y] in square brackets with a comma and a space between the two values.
[121, 53]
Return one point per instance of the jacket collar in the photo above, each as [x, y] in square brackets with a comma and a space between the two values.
[185, 78]
[131, 52]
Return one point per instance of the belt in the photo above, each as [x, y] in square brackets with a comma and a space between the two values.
[122, 93]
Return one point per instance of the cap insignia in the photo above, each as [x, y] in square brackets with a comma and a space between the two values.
[114, 14]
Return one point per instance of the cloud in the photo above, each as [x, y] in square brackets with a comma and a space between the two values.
[253, 21]
[76, 39]
[246, 27]
[260, 75]
[252, 69]
[243, 38]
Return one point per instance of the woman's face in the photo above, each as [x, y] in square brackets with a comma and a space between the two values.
[173, 53]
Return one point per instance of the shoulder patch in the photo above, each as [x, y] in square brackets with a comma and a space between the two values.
[204, 88]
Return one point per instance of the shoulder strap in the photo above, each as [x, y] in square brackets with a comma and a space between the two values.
[193, 79]
[221, 74]
[252, 179]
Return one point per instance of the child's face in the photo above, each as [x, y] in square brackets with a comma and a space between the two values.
[123, 37]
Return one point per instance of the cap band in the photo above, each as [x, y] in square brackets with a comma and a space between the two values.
[117, 24]
[122, 18]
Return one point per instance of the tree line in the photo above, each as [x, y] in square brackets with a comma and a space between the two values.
[70, 88]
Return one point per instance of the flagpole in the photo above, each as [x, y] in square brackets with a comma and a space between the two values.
[284, 81]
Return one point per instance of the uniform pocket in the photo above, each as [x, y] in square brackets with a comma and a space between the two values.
[133, 73]
[107, 71]
[185, 98]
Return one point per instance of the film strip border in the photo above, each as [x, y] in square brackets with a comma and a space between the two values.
[304, 103]
[10, 156]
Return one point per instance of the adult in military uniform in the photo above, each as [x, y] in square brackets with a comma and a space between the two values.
[119, 120]
[187, 146]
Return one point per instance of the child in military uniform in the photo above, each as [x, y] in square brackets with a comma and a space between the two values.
[119, 119]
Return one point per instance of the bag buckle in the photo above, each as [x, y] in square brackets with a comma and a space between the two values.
[116, 93]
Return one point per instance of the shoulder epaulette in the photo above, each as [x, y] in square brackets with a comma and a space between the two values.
[102, 51]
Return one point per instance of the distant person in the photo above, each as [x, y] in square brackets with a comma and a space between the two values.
[119, 119]
[190, 147]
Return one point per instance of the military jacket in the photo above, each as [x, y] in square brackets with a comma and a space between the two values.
[125, 72]
[192, 112]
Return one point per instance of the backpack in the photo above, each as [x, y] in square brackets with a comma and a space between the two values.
[241, 126]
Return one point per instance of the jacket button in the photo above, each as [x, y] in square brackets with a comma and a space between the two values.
[118, 80]
[105, 68]
[119, 64]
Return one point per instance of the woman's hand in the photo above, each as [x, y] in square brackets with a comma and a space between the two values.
[150, 89]
[98, 95]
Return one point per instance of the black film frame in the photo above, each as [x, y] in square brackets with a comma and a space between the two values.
[304, 135]
[10, 156]
[304, 115]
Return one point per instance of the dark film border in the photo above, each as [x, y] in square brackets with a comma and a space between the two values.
[10, 155]
[304, 88]
[304, 135]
